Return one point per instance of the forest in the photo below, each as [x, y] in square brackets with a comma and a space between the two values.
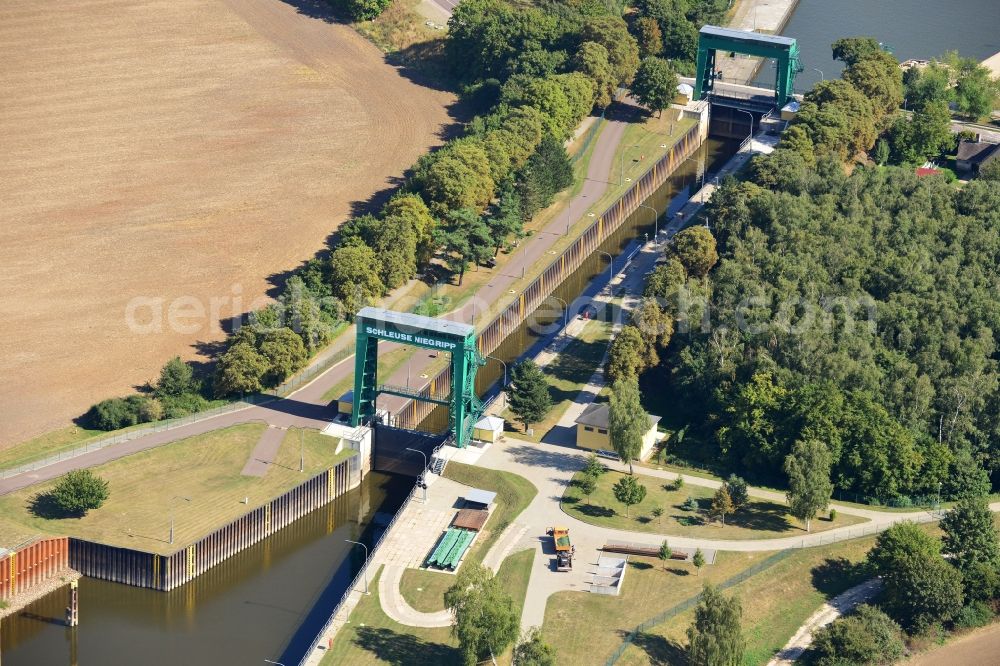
[852, 303]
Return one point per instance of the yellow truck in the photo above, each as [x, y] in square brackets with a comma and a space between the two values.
[564, 549]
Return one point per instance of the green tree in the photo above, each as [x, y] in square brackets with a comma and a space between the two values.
[648, 36]
[976, 91]
[901, 542]
[966, 477]
[629, 491]
[594, 467]
[971, 540]
[881, 154]
[851, 50]
[240, 370]
[176, 378]
[457, 176]
[592, 59]
[657, 512]
[547, 172]
[486, 621]
[364, 10]
[696, 250]
[722, 504]
[698, 560]
[715, 638]
[927, 84]
[466, 240]
[78, 492]
[990, 171]
[809, 486]
[411, 211]
[612, 33]
[866, 637]
[529, 396]
[354, 277]
[665, 553]
[587, 485]
[630, 353]
[285, 354]
[627, 420]
[655, 84]
[112, 414]
[737, 489]
[533, 651]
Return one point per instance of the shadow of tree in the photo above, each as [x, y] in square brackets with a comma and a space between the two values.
[595, 511]
[44, 505]
[836, 574]
[660, 650]
[402, 649]
[530, 455]
[678, 572]
[640, 566]
[761, 516]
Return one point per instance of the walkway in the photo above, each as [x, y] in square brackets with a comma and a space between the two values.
[828, 612]
[263, 454]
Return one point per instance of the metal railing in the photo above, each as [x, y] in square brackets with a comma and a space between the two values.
[357, 579]
[288, 387]
[691, 602]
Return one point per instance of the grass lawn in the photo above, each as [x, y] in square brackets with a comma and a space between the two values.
[586, 628]
[205, 468]
[567, 374]
[372, 638]
[51, 443]
[758, 520]
[775, 602]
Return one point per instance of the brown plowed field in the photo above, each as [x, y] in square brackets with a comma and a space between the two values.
[172, 149]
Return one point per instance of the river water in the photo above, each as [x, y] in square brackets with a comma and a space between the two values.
[921, 29]
[267, 602]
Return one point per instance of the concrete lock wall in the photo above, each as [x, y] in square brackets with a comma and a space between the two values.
[413, 411]
[166, 572]
[32, 564]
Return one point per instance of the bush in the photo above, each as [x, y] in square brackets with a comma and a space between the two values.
[976, 614]
[868, 636]
[112, 414]
[182, 405]
[78, 492]
[833, 515]
[690, 504]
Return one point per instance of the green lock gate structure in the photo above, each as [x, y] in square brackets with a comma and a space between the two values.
[785, 50]
[457, 339]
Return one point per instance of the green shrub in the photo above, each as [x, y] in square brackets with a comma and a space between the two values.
[78, 492]
[833, 515]
[976, 614]
[690, 504]
[868, 637]
[176, 406]
[112, 414]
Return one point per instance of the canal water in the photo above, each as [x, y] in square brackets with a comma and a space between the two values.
[270, 601]
[267, 602]
[920, 29]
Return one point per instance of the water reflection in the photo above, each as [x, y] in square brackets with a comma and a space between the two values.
[267, 602]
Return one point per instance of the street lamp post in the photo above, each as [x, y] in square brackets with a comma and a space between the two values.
[656, 219]
[821, 77]
[358, 543]
[302, 450]
[565, 311]
[621, 175]
[423, 475]
[175, 497]
[276, 663]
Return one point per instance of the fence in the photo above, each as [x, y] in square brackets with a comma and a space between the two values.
[369, 560]
[165, 572]
[31, 564]
[293, 384]
[693, 601]
[605, 224]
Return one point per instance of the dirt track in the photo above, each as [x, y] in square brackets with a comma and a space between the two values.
[175, 149]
